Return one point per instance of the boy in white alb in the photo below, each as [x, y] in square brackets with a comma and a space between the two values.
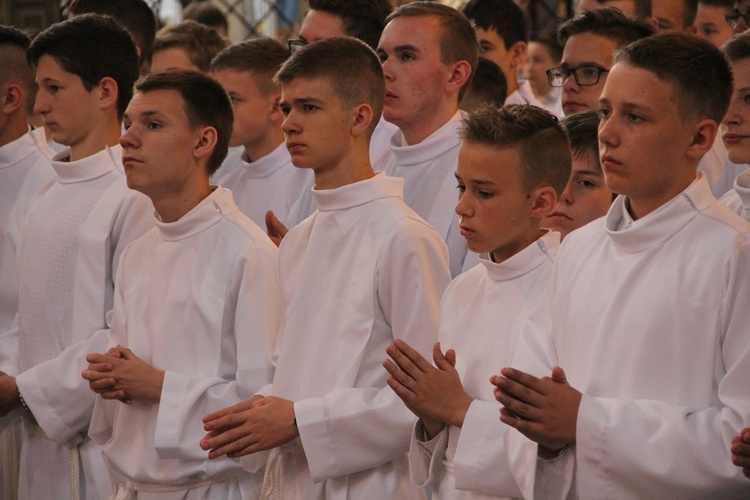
[211, 272]
[360, 272]
[513, 163]
[264, 178]
[72, 237]
[423, 85]
[641, 341]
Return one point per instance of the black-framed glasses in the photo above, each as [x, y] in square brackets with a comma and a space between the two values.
[295, 45]
[584, 75]
[734, 17]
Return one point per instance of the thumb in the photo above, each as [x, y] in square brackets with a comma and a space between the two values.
[558, 375]
[126, 353]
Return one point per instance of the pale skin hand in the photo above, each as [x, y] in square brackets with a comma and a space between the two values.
[9, 399]
[120, 374]
[741, 451]
[259, 424]
[275, 229]
[544, 410]
[435, 395]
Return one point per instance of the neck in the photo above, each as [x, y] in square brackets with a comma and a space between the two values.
[417, 132]
[172, 206]
[512, 85]
[354, 167]
[13, 131]
[265, 146]
[105, 134]
[532, 234]
[641, 206]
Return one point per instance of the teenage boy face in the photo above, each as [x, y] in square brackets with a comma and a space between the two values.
[585, 49]
[493, 205]
[537, 64]
[585, 198]
[317, 127]
[710, 21]
[643, 138]
[492, 47]
[158, 143]
[415, 75]
[735, 128]
[67, 108]
[252, 108]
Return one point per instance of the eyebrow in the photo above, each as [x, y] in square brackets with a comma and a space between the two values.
[145, 114]
[301, 100]
[584, 63]
[588, 172]
[477, 182]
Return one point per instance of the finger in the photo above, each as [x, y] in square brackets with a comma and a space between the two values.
[237, 408]
[746, 435]
[94, 376]
[126, 353]
[519, 408]
[523, 379]
[399, 377]
[518, 391]
[114, 395]
[102, 385]
[558, 375]
[100, 367]
[450, 356]
[404, 364]
[439, 358]
[403, 392]
[741, 460]
[417, 359]
[740, 448]
[228, 442]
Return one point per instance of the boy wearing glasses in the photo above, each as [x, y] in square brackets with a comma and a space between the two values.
[589, 42]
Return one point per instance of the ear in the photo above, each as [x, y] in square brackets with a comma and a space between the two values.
[276, 114]
[206, 138]
[13, 98]
[460, 74]
[362, 118]
[703, 139]
[543, 200]
[519, 54]
[108, 93]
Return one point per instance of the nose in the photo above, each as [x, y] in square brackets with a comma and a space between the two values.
[463, 207]
[570, 84]
[289, 126]
[40, 104]
[733, 116]
[567, 194]
[607, 132]
[129, 139]
[387, 72]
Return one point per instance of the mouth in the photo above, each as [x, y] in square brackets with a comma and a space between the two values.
[466, 231]
[731, 138]
[573, 105]
[295, 147]
[559, 215]
[129, 161]
[609, 162]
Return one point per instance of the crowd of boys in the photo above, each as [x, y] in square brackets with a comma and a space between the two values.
[256, 271]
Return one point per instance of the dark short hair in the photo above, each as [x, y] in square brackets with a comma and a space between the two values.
[607, 22]
[92, 47]
[502, 16]
[488, 86]
[737, 48]
[133, 15]
[729, 4]
[13, 45]
[206, 13]
[261, 56]
[643, 8]
[544, 149]
[582, 130]
[689, 10]
[363, 19]
[201, 42]
[698, 71]
[458, 41]
[350, 65]
[206, 105]
[551, 44]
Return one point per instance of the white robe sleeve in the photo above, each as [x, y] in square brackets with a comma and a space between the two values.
[426, 457]
[355, 429]
[255, 306]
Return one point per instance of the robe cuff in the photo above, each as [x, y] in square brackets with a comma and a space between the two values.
[425, 456]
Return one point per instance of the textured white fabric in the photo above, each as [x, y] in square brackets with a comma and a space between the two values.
[428, 170]
[482, 314]
[719, 170]
[380, 144]
[360, 272]
[739, 198]
[650, 323]
[270, 183]
[197, 298]
[23, 172]
[73, 234]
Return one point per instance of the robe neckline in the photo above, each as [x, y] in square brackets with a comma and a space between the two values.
[267, 165]
[359, 193]
[435, 145]
[17, 150]
[661, 224]
[742, 187]
[534, 255]
[86, 169]
[202, 216]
